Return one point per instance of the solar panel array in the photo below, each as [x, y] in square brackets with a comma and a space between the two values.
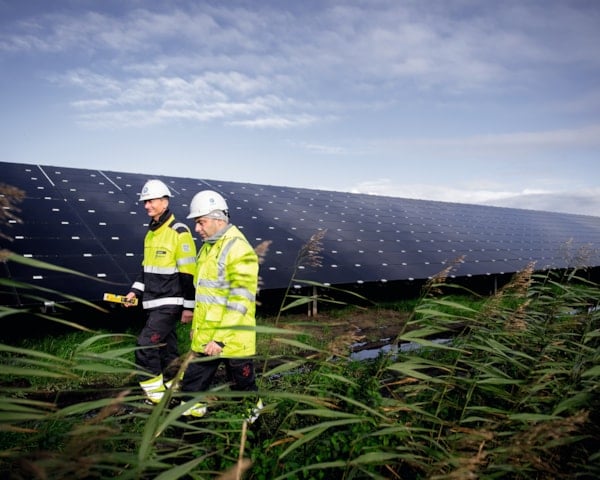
[91, 221]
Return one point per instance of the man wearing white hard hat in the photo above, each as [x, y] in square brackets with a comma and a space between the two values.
[226, 282]
[166, 287]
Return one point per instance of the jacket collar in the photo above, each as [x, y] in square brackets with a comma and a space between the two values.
[217, 236]
[155, 225]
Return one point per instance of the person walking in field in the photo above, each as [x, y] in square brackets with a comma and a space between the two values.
[226, 282]
[165, 286]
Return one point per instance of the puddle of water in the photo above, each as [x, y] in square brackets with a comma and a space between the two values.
[369, 354]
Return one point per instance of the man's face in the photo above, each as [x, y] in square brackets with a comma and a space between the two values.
[207, 227]
[156, 207]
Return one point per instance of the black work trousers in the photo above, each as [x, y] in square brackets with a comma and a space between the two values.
[159, 339]
[240, 372]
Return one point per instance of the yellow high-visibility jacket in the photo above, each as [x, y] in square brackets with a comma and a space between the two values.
[226, 282]
[167, 276]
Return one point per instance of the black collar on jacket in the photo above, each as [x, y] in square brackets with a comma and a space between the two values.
[155, 225]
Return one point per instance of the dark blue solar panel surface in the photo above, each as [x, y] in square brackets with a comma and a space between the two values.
[91, 221]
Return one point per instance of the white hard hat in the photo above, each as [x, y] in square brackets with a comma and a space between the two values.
[154, 189]
[205, 202]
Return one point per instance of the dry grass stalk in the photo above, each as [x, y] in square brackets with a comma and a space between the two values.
[579, 258]
[518, 320]
[84, 445]
[310, 253]
[432, 286]
[308, 256]
[9, 197]
[261, 251]
[471, 445]
[243, 464]
[236, 472]
[530, 447]
[517, 287]
[522, 281]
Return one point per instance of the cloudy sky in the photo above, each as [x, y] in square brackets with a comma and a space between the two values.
[486, 102]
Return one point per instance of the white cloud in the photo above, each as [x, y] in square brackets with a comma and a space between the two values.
[353, 84]
[275, 121]
[584, 202]
[372, 49]
[326, 149]
[498, 144]
[581, 203]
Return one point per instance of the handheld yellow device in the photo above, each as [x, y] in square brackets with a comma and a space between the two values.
[111, 297]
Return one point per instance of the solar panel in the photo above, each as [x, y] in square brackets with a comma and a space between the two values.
[91, 221]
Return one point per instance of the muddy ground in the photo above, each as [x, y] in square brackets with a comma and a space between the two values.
[358, 330]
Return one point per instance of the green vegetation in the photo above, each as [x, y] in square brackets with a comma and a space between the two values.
[513, 395]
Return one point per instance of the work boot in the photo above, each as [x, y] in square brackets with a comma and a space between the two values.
[154, 389]
[255, 412]
[197, 410]
[173, 385]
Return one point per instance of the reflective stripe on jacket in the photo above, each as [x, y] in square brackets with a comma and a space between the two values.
[168, 266]
[226, 281]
